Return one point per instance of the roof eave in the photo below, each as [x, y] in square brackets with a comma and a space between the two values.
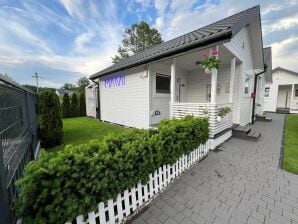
[225, 37]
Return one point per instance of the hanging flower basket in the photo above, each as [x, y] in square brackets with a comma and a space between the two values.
[210, 62]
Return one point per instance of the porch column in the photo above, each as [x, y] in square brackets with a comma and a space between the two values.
[293, 92]
[214, 83]
[173, 80]
[233, 67]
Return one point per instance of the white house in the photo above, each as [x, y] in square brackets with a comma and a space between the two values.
[166, 81]
[282, 94]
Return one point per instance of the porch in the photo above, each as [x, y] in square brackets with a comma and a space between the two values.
[192, 92]
[287, 98]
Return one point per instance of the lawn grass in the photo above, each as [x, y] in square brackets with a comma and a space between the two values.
[83, 129]
[290, 162]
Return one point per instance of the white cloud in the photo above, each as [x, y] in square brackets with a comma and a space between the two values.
[82, 39]
[282, 24]
[282, 56]
[73, 8]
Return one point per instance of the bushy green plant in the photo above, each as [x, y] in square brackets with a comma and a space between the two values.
[50, 126]
[66, 106]
[56, 188]
[74, 106]
[82, 105]
[224, 111]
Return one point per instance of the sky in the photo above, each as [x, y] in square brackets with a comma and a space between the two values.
[63, 40]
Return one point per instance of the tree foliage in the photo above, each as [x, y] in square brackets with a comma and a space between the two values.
[137, 38]
[56, 188]
[50, 124]
[82, 83]
[82, 104]
[74, 106]
[66, 106]
[69, 86]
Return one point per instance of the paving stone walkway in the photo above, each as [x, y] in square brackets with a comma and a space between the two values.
[240, 184]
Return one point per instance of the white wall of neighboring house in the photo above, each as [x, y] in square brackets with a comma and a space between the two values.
[281, 82]
[126, 103]
[91, 95]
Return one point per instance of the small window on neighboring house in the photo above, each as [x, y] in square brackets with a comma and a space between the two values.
[163, 83]
[296, 92]
[246, 86]
[267, 91]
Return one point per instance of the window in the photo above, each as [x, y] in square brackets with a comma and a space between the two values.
[296, 92]
[246, 86]
[208, 92]
[162, 83]
[267, 91]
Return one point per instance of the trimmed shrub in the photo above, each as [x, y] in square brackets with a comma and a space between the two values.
[50, 126]
[74, 106]
[66, 106]
[56, 188]
[82, 105]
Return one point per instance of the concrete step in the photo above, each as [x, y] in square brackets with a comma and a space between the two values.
[253, 136]
[240, 131]
[283, 110]
[263, 118]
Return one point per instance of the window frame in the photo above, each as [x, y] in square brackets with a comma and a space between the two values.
[249, 78]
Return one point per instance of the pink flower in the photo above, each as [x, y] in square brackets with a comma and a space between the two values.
[215, 52]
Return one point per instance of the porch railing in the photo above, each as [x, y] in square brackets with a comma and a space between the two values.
[210, 110]
[294, 106]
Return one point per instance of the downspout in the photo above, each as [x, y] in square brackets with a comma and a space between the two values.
[255, 94]
[98, 115]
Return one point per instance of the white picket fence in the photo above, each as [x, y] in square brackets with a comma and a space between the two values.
[130, 200]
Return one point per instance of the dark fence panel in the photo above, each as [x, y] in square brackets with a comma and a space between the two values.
[18, 139]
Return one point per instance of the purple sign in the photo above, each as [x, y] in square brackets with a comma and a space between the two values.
[114, 80]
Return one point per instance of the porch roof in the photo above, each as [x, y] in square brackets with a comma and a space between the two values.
[220, 31]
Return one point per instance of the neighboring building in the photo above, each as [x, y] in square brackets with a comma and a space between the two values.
[165, 80]
[91, 94]
[282, 94]
[61, 92]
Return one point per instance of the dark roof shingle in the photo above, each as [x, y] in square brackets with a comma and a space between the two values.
[222, 30]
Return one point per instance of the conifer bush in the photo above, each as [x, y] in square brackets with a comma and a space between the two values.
[74, 106]
[50, 126]
[58, 187]
[66, 106]
[82, 105]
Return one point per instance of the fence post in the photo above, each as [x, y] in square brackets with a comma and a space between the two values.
[5, 215]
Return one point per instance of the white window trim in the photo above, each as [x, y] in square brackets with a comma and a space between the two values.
[247, 95]
[160, 95]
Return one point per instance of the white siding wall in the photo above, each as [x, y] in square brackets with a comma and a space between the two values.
[159, 102]
[278, 78]
[197, 85]
[127, 104]
[241, 48]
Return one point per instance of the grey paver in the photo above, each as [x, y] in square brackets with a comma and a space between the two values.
[250, 188]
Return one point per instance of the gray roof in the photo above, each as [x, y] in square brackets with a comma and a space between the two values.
[284, 70]
[268, 62]
[219, 31]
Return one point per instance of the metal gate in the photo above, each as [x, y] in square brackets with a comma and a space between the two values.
[18, 140]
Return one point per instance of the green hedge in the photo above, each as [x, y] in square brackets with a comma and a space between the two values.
[56, 188]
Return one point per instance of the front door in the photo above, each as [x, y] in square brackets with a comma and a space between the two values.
[284, 97]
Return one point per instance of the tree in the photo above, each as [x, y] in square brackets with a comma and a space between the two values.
[74, 106]
[50, 124]
[68, 86]
[66, 106]
[82, 105]
[137, 38]
[82, 83]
